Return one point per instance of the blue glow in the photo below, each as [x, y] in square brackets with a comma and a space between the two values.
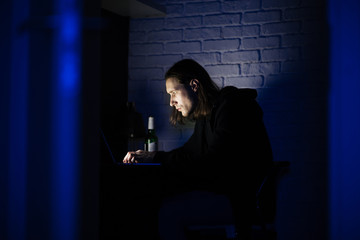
[68, 48]
[344, 129]
[69, 73]
[66, 126]
[69, 26]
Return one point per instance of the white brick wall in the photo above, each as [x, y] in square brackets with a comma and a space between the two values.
[274, 46]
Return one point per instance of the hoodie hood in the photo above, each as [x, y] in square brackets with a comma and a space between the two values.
[243, 92]
[238, 100]
[231, 93]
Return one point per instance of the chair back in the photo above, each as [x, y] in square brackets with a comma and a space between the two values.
[267, 193]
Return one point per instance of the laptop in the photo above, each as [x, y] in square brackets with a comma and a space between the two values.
[120, 162]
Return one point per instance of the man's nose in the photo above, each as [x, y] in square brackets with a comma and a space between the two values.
[172, 102]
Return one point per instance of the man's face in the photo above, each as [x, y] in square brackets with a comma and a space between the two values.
[182, 97]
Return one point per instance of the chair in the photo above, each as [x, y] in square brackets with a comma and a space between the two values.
[263, 224]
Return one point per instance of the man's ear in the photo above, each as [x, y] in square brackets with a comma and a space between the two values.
[194, 84]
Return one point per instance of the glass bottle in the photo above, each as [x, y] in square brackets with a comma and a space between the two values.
[135, 128]
[151, 140]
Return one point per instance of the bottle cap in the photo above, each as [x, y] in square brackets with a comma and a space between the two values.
[151, 123]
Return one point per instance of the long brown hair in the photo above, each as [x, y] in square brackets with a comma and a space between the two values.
[185, 71]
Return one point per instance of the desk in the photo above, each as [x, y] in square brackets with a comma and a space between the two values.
[127, 190]
[138, 164]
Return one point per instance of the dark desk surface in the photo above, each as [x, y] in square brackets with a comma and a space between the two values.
[139, 164]
[124, 190]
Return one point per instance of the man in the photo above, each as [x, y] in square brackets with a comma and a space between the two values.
[223, 162]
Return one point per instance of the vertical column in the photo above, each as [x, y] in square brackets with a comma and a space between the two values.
[17, 164]
[344, 128]
[66, 129]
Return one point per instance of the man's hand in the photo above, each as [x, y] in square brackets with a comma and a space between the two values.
[140, 156]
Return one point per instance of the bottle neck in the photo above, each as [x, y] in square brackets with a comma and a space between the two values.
[151, 125]
[151, 131]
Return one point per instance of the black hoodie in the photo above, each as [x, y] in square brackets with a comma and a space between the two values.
[228, 152]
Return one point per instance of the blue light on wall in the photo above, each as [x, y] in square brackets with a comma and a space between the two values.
[66, 121]
[344, 119]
